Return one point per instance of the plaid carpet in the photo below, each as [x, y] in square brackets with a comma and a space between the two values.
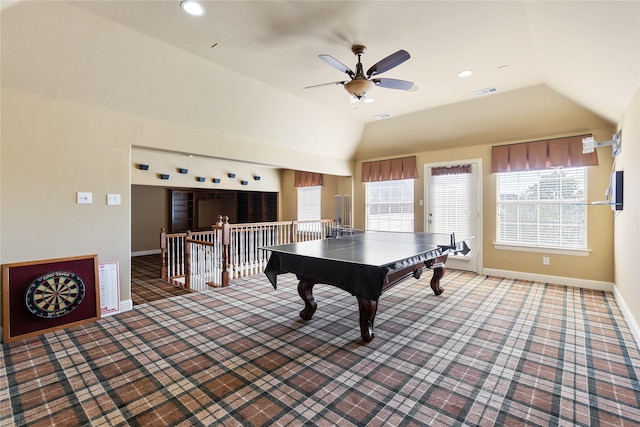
[487, 352]
[146, 285]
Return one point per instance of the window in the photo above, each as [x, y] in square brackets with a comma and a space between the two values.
[390, 205]
[309, 203]
[544, 208]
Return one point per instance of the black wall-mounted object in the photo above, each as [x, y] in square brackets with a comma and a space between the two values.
[143, 167]
[232, 175]
[164, 176]
[183, 170]
[200, 178]
[256, 177]
[244, 182]
[616, 190]
[215, 180]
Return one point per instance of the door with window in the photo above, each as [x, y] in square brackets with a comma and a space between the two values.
[453, 203]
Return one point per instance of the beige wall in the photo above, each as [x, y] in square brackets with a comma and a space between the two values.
[149, 212]
[331, 186]
[168, 163]
[597, 266]
[51, 149]
[627, 223]
[288, 196]
[149, 198]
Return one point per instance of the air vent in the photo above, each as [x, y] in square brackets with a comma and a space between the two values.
[382, 116]
[485, 91]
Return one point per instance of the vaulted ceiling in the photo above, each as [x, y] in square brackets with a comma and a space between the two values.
[241, 69]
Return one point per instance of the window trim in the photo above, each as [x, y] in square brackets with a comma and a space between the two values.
[541, 249]
[367, 204]
[508, 246]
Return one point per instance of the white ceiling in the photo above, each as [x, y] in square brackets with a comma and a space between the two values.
[586, 52]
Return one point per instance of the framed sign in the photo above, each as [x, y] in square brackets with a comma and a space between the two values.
[46, 295]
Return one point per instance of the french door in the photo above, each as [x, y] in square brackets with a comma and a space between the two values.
[453, 204]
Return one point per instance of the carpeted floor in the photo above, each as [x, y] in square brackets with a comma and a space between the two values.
[146, 285]
[488, 351]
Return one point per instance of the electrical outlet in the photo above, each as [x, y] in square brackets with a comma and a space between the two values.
[545, 260]
[113, 199]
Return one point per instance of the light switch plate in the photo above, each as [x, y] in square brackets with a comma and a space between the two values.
[113, 199]
[84, 198]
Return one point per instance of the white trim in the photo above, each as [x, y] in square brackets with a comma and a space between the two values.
[149, 252]
[477, 162]
[541, 249]
[556, 280]
[626, 313]
[125, 305]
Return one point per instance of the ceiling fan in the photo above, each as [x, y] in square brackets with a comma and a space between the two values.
[361, 83]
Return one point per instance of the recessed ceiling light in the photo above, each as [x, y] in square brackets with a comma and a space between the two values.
[465, 73]
[192, 7]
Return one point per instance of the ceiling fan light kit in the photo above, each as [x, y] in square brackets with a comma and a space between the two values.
[359, 87]
[361, 83]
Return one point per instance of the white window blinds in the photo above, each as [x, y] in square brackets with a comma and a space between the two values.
[309, 208]
[450, 204]
[543, 208]
[390, 205]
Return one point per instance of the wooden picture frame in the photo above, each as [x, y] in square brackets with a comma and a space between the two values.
[47, 295]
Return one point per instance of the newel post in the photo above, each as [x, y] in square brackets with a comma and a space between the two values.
[187, 260]
[226, 242]
[163, 253]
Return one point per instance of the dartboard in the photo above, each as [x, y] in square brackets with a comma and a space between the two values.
[54, 294]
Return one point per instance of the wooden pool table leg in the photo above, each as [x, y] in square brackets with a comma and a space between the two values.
[437, 265]
[305, 290]
[368, 309]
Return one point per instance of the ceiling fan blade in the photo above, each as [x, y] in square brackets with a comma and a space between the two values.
[393, 84]
[388, 63]
[337, 64]
[325, 84]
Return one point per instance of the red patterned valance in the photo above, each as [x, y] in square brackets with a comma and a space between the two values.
[390, 170]
[450, 170]
[307, 179]
[537, 155]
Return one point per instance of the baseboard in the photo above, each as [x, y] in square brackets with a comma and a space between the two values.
[626, 313]
[143, 253]
[578, 283]
[125, 305]
[556, 280]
